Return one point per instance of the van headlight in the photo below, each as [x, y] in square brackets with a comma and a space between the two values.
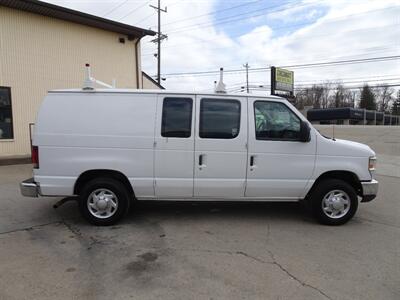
[372, 163]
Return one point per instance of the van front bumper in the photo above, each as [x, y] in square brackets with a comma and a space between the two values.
[369, 189]
[29, 188]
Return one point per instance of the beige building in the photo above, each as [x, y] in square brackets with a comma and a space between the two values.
[150, 83]
[44, 47]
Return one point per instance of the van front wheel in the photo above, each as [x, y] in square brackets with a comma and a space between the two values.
[334, 202]
[104, 201]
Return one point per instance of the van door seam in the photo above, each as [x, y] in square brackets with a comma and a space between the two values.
[247, 147]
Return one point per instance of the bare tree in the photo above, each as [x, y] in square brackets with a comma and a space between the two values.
[339, 96]
[326, 94]
[384, 95]
[353, 97]
[310, 97]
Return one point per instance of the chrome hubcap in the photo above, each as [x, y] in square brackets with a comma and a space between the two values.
[336, 204]
[102, 203]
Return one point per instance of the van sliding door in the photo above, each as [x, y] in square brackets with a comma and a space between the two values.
[220, 147]
[174, 146]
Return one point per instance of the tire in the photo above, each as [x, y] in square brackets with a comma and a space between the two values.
[328, 202]
[104, 201]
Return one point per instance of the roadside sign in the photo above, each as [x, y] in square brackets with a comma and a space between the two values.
[282, 80]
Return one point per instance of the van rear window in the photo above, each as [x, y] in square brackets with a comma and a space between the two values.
[177, 117]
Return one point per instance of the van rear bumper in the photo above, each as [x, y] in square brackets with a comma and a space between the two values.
[29, 188]
[370, 190]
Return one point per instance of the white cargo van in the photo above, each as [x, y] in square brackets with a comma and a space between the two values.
[113, 146]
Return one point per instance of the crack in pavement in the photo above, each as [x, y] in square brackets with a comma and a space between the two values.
[75, 231]
[275, 262]
[88, 241]
[253, 257]
[79, 234]
[242, 253]
[31, 227]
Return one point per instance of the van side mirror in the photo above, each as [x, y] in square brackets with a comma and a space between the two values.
[305, 129]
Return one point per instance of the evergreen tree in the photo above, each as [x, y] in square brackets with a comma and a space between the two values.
[396, 105]
[367, 99]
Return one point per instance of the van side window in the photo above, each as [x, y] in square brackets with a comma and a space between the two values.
[275, 121]
[219, 119]
[177, 117]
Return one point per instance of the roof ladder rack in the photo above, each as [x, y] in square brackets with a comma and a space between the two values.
[90, 81]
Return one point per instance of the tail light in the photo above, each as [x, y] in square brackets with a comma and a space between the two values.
[35, 157]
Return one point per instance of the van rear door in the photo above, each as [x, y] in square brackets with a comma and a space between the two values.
[220, 147]
[174, 146]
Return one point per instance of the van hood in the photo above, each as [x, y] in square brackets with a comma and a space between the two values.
[340, 147]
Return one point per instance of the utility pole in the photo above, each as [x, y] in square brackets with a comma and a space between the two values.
[247, 76]
[159, 38]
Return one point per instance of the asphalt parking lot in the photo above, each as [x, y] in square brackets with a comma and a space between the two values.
[196, 251]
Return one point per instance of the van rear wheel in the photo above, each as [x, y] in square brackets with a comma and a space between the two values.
[334, 202]
[104, 201]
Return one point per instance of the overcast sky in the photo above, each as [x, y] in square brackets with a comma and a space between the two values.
[204, 35]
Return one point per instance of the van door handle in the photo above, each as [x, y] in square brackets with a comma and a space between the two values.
[252, 162]
[202, 161]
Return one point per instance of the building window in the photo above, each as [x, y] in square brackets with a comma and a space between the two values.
[177, 117]
[6, 123]
[219, 119]
[275, 121]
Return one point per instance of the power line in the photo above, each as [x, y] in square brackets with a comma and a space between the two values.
[145, 18]
[134, 10]
[307, 65]
[294, 26]
[213, 12]
[208, 24]
[318, 83]
[350, 61]
[115, 8]
[343, 80]
[281, 27]
[358, 87]
[267, 87]
[276, 29]
[323, 58]
[212, 23]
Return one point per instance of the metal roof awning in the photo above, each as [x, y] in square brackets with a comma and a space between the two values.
[342, 113]
[66, 14]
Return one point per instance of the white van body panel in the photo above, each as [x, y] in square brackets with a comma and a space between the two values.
[120, 130]
[77, 132]
[344, 156]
